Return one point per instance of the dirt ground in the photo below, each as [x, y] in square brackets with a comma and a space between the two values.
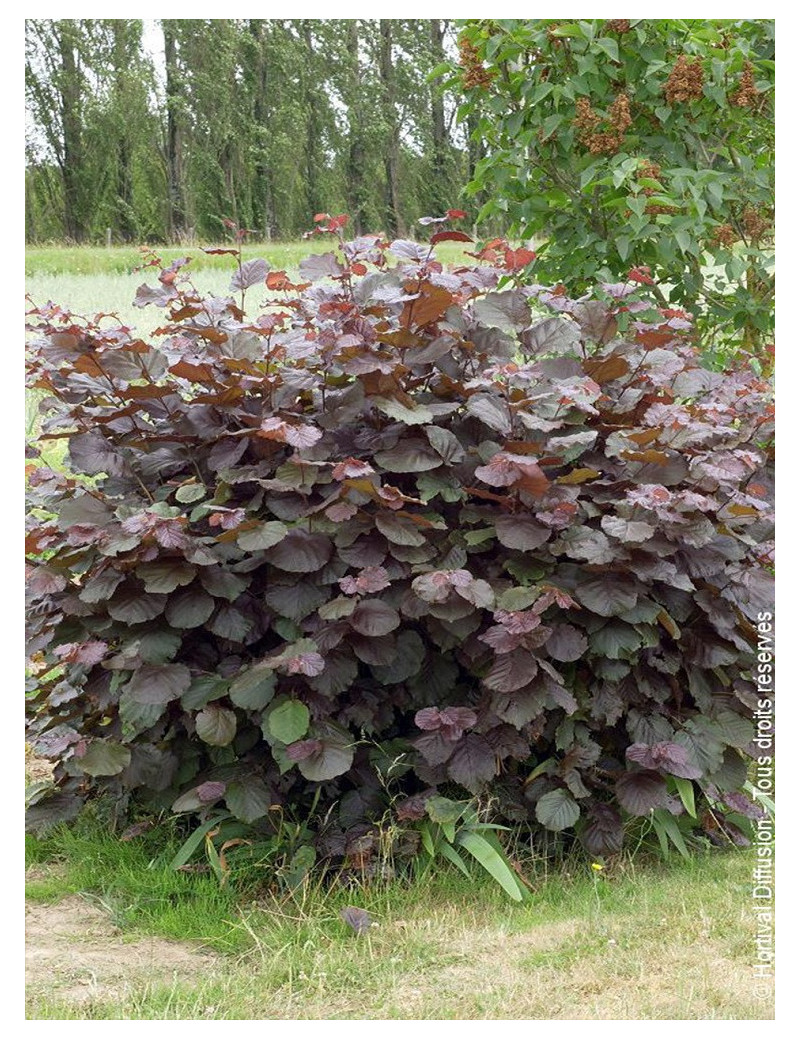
[74, 953]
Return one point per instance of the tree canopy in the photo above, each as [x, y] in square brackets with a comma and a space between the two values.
[263, 122]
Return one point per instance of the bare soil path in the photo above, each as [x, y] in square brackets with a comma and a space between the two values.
[75, 954]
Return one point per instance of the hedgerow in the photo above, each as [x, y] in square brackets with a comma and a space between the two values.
[438, 526]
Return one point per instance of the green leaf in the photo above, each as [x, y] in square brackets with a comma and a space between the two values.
[666, 824]
[189, 609]
[248, 799]
[550, 125]
[204, 688]
[569, 30]
[557, 810]
[333, 760]
[191, 492]
[215, 725]
[685, 789]
[450, 853]
[253, 688]
[491, 861]
[104, 758]
[518, 598]
[605, 43]
[262, 537]
[165, 575]
[444, 810]
[299, 866]
[195, 840]
[483, 534]
[288, 722]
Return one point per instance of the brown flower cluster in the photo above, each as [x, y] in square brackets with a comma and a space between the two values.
[653, 208]
[620, 113]
[650, 171]
[475, 75]
[586, 119]
[754, 223]
[587, 123]
[746, 96]
[723, 235]
[618, 25]
[685, 82]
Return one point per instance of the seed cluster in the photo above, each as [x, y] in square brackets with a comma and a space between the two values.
[754, 223]
[747, 95]
[650, 171]
[587, 123]
[654, 208]
[475, 75]
[685, 82]
[618, 25]
[724, 235]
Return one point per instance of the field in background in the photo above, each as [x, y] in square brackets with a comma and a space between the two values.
[89, 279]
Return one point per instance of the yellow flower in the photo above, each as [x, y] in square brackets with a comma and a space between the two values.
[598, 866]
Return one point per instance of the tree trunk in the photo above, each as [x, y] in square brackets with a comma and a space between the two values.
[124, 52]
[263, 188]
[176, 206]
[71, 124]
[439, 158]
[394, 220]
[313, 159]
[356, 155]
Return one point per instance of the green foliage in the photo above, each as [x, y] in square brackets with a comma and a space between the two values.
[263, 120]
[450, 825]
[634, 143]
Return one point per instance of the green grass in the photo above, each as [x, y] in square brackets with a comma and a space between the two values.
[121, 260]
[132, 880]
[644, 940]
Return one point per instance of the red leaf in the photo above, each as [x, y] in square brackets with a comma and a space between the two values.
[303, 749]
[640, 274]
[516, 259]
[278, 280]
[456, 214]
[450, 236]
[433, 301]
[428, 719]
[351, 467]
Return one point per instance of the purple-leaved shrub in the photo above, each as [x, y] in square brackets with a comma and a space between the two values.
[517, 543]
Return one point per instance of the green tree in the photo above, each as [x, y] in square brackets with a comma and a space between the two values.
[262, 121]
[56, 84]
[623, 142]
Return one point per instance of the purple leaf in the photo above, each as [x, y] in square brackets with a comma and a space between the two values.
[359, 920]
[251, 272]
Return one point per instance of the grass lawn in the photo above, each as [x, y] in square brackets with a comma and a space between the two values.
[116, 935]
